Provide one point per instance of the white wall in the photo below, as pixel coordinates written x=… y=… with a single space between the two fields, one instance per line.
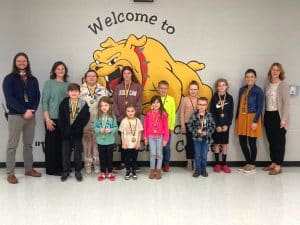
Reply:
x=228 y=36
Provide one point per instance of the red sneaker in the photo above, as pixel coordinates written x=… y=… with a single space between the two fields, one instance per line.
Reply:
x=101 y=177
x=217 y=168
x=111 y=177
x=226 y=169
x=166 y=168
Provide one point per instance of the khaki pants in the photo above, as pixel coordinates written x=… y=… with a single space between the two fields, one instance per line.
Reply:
x=16 y=125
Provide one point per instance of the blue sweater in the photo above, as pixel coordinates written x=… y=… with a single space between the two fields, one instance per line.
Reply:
x=14 y=91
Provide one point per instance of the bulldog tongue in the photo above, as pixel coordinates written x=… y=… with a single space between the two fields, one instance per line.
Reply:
x=113 y=83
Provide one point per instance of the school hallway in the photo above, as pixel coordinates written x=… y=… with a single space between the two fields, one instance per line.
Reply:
x=178 y=198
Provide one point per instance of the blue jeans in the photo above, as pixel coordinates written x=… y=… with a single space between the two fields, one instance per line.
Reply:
x=167 y=152
x=156 y=145
x=201 y=149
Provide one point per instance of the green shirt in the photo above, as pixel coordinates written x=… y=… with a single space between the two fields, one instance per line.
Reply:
x=111 y=123
x=53 y=93
x=169 y=105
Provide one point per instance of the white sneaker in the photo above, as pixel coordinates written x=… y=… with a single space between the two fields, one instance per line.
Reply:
x=97 y=169
x=88 y=170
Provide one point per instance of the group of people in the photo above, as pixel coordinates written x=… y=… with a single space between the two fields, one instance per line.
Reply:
x=84 y=118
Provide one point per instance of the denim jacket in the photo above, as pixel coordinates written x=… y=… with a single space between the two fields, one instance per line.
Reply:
x=209 y=126
x=255 y=101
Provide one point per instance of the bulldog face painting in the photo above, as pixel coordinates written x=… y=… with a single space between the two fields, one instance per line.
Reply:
x=151 y=63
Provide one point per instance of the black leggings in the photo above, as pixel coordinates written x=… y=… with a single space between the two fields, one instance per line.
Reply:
x=249 y=154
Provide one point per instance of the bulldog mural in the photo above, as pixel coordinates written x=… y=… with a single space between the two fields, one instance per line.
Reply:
x=151 y=63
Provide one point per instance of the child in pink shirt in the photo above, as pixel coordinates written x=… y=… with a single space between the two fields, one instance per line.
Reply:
x=156 y=133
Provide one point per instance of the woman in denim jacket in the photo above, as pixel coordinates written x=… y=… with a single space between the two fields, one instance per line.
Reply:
x=249 y=124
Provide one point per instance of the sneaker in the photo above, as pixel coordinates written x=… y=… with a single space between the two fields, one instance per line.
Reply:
x=226 y=169
x=64 y=177
x=242 y=169
x=275 y=172
x=127 y=175
x=101 y=177
x=196 y=174
x=204 y=174
x=268 y=168
x=33 y=173
x=166 y=168
x=111 y=176
x=88 y=170
x=78 y=176
x=217 y=168
x=134 y=176
x=250 y=169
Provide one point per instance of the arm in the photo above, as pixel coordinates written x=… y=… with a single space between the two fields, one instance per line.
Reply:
x=146 y=121
x=139 y=101
x=166 y=129
x=259 y=104
x=11 y=100
x=115 y=100
x=182 y=113
x=285 y=102
x=173 y=118
x=37 y=94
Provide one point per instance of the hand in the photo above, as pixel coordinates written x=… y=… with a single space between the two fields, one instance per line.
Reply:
x=28 y=114
x=124 y=146
x=107 y=130
x=253 y=126
x=224 y=128
x=102 y=130
x=138 y=146
x=219 y=129
x=146 y=142
x=165 y=143
x=283 y=123
x=50 y=125
x=203 y=133
x=199 y=131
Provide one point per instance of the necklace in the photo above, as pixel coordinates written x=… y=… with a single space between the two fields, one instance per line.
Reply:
x=127 y=91
x=73 y=108
x=222 y=103
x=155 y=121
x=91 y=92
x=103 y=125
x=194 y=109
x=133 y=131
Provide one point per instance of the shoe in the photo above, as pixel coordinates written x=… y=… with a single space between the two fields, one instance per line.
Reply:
x=196 y=174
x=166 y=168
x=268 y=168
x=158 y=174
x=88 y=170
x=226 y=169
x=204 y=174
x=242 y=169
x=12 y=179
x=275 y=172
x=120 y=167
x=33 y=173
x=127 y=175
x=152 y=174
x=134 y=176
x=101 y=177
x=96 y=169
x=111 y=176
x=64 y=177
x=78 y=176
x=217 y=168
x=250 y=169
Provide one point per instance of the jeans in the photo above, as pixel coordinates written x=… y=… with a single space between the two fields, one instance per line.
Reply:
x=167 y=152
x=106 y=157
x=201 y=149
x=156 y=145
x=130 y=159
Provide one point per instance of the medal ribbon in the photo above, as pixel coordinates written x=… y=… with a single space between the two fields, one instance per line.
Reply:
x=73 y=108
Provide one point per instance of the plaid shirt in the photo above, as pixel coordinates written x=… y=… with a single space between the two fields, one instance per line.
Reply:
x=208 y=126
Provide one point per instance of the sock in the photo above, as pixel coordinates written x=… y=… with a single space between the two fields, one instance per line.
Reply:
x=217 y=158
x=224 y=159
